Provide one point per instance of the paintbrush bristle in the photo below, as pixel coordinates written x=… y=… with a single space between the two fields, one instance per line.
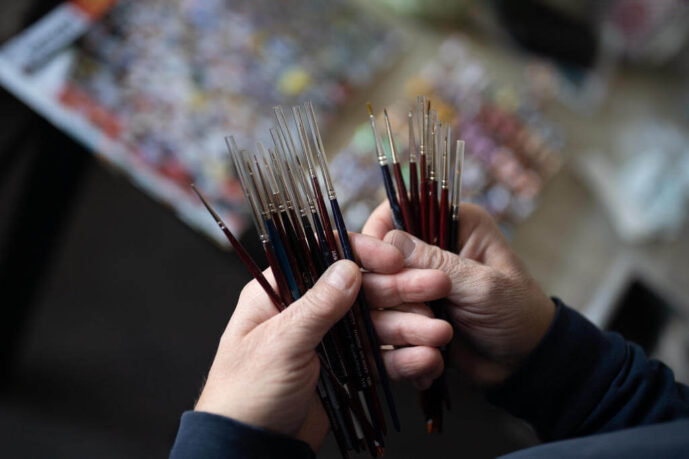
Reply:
x=205 y=203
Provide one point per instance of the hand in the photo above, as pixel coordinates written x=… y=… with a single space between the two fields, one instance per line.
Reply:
x=265 y=371
x=499 y=312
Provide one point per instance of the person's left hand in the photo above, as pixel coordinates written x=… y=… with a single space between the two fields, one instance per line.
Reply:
x=265 y=371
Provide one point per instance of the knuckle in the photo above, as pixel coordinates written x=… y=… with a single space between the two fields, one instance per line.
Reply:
x=250 y=292
x=316 y=302
x=440 y=259
x=438 y=366
x=495 y=283
x=419 y=363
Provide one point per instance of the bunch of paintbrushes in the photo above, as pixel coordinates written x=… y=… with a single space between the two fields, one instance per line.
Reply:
x=428 y=208
x=283 y=187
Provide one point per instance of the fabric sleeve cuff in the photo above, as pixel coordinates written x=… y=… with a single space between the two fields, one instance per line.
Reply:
x=217 y=437
x=557 y=375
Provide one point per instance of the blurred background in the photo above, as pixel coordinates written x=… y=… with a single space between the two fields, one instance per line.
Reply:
x=116 y=286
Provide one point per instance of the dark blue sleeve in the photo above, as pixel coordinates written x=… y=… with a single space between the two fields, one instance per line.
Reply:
x=209 y=436
x=580 y=381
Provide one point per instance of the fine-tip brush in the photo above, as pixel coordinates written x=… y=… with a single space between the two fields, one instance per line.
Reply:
x=397 y=217
x=359 y=314
x=423 y=169
x=243 y=254
x=304 y=214
x=315 y=182
x=363 y=382
x=332 y=349
x=302 y=247
x=331 y=355
x=433 y=185
x=257 y=211
x=413 y=175
x=349 y=254
x=271 y=220
x=431 y=398
x=444 y=218
x=456 y=196
x=292 y=245
x=301 y=172
x=302 y=226
x=438 y=393
x=403 y=198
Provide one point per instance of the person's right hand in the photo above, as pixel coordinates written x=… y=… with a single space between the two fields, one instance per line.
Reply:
x=499 y=312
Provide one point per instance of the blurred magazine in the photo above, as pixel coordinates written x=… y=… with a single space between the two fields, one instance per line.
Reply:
x=153 y=86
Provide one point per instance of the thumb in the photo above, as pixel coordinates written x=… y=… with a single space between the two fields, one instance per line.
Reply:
x=418 y=254
x=304 y=323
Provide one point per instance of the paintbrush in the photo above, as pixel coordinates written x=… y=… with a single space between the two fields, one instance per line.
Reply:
x=456 y=196
x=243 y=254
x=403 y=198
x=444 y=217
x=349 y=254
x=413 y=176
x=397 y=217
x=257 y=211
x=348 y=327
x=423 y=170
x=433 y=185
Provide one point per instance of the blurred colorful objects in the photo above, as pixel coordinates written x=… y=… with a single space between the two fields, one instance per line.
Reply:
x=172 y=78
x=511 y=149
x=156 y=85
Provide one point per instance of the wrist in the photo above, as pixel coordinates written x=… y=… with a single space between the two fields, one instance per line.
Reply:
x=243 y=409
x=539 y=321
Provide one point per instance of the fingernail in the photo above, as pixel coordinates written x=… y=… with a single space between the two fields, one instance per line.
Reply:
x=404 y=243
x=340 y=275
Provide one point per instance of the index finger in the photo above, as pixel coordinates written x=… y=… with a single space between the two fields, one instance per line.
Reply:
x=253 y=306
x=380 y=221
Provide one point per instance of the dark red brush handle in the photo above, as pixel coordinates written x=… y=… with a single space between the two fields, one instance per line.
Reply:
x=423 y=200
x=403 y=199
x=414 y=194
x=243 y=255
x=289 y=248
x=253 y=268
x=432 y=212
x=283 y=288
x=443 y=222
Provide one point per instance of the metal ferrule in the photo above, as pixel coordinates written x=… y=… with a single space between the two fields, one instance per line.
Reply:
x=380 y=153
x=412 y=139
x=443 y=180
x=280 y=202
x=455 y=212
x=432 y=162
x=457 y=180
